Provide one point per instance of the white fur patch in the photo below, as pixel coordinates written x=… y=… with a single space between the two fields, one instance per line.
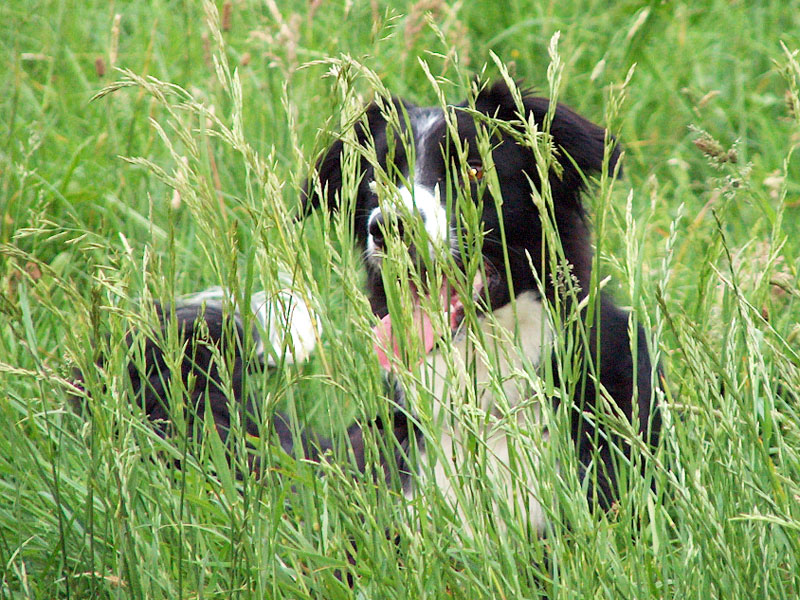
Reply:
x=283 y=320
x=477 y=422
x=424 y=124
x=424 y=202
x=429 y=204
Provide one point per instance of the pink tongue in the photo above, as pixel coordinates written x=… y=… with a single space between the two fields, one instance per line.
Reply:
x=385 y=339
x=384 y=336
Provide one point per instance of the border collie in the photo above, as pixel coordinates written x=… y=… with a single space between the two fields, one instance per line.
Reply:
x=502 y=321
x=412 y=163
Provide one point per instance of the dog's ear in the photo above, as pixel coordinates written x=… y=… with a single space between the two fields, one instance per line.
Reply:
x=578 y=141
x=327 y=174
x=325 y=180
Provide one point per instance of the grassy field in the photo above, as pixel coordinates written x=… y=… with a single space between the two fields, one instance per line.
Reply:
x=187 y=175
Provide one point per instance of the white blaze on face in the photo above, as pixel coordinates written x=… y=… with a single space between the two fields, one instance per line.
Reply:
x=423 y=203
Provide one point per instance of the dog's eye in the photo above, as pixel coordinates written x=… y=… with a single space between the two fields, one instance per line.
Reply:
x=475 y=170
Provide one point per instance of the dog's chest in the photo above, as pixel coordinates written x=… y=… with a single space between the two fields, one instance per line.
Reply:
x=483 y=409
x=476 y=366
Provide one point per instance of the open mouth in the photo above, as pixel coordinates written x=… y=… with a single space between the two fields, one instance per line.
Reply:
x=449 y=301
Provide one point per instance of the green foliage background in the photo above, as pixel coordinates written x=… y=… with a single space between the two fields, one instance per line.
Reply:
x=703 y=247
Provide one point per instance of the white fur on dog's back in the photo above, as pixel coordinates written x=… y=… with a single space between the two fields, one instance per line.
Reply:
x=283 y=320
x=468 y=407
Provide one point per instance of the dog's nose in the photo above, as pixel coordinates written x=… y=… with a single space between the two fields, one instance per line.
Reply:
x=378 y=227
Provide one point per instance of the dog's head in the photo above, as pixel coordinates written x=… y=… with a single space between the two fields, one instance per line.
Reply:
x=419 y=164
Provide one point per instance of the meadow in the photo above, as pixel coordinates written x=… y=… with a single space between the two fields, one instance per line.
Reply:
x=150 y=149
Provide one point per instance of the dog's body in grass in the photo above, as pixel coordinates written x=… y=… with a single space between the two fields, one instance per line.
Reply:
x=215 y=347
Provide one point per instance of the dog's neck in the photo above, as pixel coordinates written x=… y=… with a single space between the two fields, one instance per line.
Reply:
x=509 y=343
x=469 y=411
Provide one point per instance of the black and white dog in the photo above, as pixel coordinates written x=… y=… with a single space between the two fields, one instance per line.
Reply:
x=409 y=173
x=501 y=333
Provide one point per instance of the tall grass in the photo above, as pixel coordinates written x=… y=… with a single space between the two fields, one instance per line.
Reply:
x=184 y=173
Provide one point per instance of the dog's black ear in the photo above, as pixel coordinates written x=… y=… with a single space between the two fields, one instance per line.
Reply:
x=327 y=174
x=578 y=141
x=325 y=180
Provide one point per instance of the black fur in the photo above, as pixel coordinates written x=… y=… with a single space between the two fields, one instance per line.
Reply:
x=213 y=339
x=579 y=147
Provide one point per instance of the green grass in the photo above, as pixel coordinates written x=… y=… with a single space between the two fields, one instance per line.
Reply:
x=92 y=505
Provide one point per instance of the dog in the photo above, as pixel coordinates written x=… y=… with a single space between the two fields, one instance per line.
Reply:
x=532 y=279
x=411 y=163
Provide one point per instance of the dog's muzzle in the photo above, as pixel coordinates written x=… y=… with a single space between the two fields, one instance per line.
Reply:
x=399 y=205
